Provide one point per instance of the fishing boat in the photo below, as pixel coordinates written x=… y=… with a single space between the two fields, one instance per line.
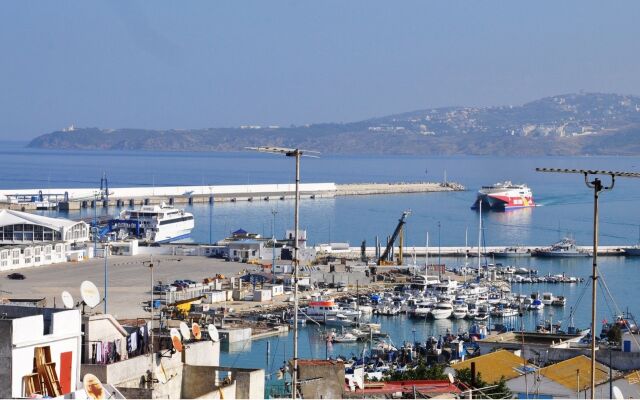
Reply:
x=564 y=248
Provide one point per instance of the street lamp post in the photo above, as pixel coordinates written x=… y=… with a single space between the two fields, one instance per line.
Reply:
x=597 y=187
x=297 y=153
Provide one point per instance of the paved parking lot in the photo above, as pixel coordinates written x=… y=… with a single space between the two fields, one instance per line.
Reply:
x=128 y=277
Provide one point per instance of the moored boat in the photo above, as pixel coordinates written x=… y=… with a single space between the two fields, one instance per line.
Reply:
x=564 y=248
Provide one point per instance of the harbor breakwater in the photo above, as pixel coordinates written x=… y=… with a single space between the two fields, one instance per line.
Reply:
x=76 y=198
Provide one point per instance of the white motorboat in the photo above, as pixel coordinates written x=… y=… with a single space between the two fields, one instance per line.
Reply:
x=157 y=223
x=341 y=320
x=460 y=311
x=442 y=310
x=422 y=309
x=536 y=304
x=346 y=338
x=547 y=298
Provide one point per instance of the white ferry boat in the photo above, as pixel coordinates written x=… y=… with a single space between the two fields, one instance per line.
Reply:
x=504 y=196
x=157 y=223
x=320 y=308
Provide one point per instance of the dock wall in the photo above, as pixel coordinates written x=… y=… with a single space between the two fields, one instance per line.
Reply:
x=456 y=251
x=76 y=198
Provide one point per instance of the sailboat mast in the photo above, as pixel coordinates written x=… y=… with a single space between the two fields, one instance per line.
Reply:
x=426 y=258
x=466 y=253
x=479 y=234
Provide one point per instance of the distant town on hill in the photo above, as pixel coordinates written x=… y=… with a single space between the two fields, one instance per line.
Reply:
x=570 y=124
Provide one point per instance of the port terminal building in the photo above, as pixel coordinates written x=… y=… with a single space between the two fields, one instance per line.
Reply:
x=28 y=240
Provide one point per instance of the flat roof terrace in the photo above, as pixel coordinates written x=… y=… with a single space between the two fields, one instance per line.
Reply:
x=128 y=278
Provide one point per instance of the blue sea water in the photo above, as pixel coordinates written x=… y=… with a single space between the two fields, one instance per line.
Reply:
x=566 y=207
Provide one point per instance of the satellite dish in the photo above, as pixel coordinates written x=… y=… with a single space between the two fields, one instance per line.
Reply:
x=176 y=339
x=195 y=329
x=184 y=331
x=451 y=379
x=90 y=294
x=617 y=393
x=93 y=387
x=213 y=333
x=67 y=299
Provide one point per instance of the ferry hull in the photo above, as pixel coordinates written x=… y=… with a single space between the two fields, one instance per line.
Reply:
x=503 y=202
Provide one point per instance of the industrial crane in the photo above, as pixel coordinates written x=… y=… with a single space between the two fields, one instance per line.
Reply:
x=398 y=231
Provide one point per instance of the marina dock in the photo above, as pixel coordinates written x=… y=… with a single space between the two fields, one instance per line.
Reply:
x=76 y=198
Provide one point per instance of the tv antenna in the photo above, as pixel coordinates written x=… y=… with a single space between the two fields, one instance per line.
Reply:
x=90 y=295
x=185 y=331
x=196 y=331
x=213 y=333
x=176 y=339
x=67 y=300
x=598 y=187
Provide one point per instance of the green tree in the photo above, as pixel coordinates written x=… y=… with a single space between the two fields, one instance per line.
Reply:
x=498 y=391
x=614 y=334
x=421 y=371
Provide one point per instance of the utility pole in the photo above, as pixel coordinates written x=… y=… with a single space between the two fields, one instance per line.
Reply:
x=150 y=265
x=297 y=153
x=597 y=187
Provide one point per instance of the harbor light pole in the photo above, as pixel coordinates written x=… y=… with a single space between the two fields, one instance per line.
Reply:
x=297 y=153
x=597 y=187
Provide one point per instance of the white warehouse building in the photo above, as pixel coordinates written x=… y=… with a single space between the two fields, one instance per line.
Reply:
x=30 y=240
x=19 y=228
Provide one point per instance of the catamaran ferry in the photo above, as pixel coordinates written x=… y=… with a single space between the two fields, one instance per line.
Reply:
x=504 y=196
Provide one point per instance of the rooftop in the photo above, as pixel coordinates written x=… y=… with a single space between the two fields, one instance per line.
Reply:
x=578 y=369
x=12 y=217
x=495 y=365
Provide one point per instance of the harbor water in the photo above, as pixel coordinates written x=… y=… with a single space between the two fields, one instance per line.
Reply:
x=565 y=209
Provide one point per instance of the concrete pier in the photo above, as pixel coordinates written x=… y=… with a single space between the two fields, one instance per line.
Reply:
x=74 y=199
x=457 y=251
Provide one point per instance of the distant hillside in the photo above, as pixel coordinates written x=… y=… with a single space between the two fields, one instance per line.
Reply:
x=571 y=124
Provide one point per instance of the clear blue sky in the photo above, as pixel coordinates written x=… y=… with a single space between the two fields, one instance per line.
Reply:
x=175 y=64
